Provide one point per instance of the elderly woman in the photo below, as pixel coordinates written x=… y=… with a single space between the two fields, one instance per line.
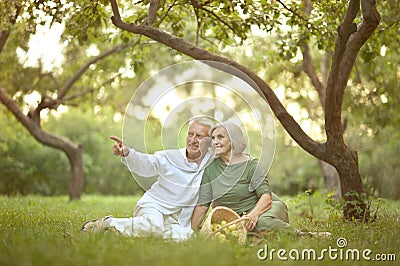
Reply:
x=226 y=182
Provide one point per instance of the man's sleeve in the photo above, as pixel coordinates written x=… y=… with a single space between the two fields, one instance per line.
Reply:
x=143 y=164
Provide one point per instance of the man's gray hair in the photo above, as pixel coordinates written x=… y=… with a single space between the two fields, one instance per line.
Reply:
x=202 y=120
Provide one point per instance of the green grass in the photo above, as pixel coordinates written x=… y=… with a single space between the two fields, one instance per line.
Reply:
x=45 y=231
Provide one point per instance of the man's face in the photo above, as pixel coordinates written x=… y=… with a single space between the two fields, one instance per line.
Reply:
x=196 y=133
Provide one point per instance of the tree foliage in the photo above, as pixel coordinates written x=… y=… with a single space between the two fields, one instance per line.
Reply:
x=57 y=86
x=370 y=101
x=357 y=24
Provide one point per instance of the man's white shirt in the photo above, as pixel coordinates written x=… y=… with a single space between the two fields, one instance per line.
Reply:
x=177 y=186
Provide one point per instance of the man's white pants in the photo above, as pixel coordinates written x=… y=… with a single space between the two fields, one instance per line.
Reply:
x=150 y=222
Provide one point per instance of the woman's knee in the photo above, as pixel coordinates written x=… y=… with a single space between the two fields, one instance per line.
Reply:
x=271 y=223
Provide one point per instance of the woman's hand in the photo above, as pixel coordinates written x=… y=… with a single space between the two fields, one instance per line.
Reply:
x=251 y=224
x=263 y=205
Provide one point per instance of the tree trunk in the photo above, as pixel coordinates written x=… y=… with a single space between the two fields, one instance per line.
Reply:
x=77 y=173
x=331 y=178
x=73 y=151
x=351 y=185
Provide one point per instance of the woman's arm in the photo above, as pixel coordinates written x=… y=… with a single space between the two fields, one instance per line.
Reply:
x=198 y=215
x=263 y=205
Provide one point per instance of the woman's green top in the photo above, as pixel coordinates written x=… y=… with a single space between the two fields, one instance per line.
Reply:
x=228 y=185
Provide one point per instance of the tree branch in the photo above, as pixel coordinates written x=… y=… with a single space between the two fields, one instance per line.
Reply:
x=14 y=109
x=332 y=103
x=370 y=22
x=165 y=11
x=77 y=95
x=290 y=10
x=194 y=4
x=218 y=18
x=3 y=39
x=4 y=33
x=198 y=53
x=308 y=63
x=115 y=10
x=152 y=15
x=311 y=73
x=63 y=90
x=34 y=129
x=48 y=102
x=110 y=79
x=349 y=42
x=296 y=14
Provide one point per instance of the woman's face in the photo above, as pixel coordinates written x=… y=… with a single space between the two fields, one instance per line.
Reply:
x=221 y=141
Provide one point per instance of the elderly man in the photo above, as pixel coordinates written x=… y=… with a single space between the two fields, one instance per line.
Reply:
x=166 y=208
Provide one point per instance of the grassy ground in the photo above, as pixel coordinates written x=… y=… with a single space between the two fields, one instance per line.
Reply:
x=45 y=231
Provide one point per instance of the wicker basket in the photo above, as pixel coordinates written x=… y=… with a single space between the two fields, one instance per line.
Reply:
x=219 y=214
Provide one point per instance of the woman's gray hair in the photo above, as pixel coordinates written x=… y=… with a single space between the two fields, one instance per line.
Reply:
x=236 y=136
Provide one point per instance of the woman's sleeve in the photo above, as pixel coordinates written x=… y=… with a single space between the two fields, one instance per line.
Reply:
x=205 y=192
x=263 y=186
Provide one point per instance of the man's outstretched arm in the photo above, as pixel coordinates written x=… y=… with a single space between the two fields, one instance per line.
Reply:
x=142 y=164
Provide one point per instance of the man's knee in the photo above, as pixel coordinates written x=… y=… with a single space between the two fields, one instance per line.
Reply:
x=156 y=229
x=150 y=220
